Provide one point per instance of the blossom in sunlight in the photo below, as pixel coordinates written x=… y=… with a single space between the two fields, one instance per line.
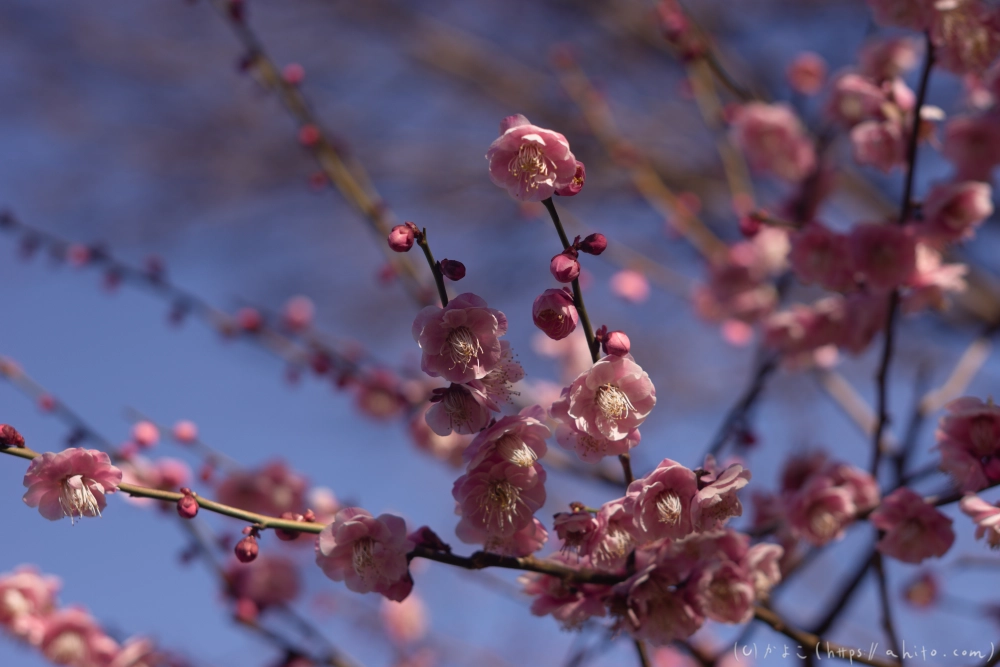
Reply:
x=609 y=545
x=72 y=483
x=460 y=342
x=660 y=503
x=968 y=437
x=716 y=501
x=367 y=553
x=458 y=408
x=530 y=162
x=574 y=528
x=72 y=637
x=145 y=434
x=519 y=439
x=523 y=542
x=499 y=498
x=987 y=518
x=914 y=529
x=610 y=399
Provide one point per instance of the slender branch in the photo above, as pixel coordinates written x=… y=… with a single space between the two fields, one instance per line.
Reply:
x=738 y=412
x=840 y=603
x=435 y=267
x=816 y=644
x=883 y=593
x=905 y=207
x=642 y=652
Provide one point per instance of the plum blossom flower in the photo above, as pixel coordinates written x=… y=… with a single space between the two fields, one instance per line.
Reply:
x=519 y=439
x=986 y=516
x=764 y=563
x=498 y=497
x=879 y=144
x=885 y=254
x=952 y=211
x=574 y=528
x=660 y=503
x=716 y=501
x=460 y=408
x=932 y=281
x=659 y=609
x=611 y=399
x=886 y=58
x=405 y=622
x=972 y=144
x=914 y=529
x=497 y=385
x=27 y=597
x=554 y=313
x=806 y=73
x=570 y=605
x=268 y=581
x=460 y=342
x=521 y=543
x=821 y=511
x=855 y=98
x=608 y=547
x=774 y=140
x=822 y=256
x=271 y=489
x=630 y=285
x=966 y=34
x=72 y=483
x=530 y=162
x=73 y=637
x=737 y=288
x=367 y=553
x=588 y=447
x=725 y=592
x=968 y=437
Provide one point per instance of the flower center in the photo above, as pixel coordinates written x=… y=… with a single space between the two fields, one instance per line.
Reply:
x=823 y=524
x=463 y=347
x=529 y=165
x=76 y=499
x=454 y=404
x=615 y=544
x=363 y=558
x=668 y=508
x=67 y=649
x=515 y=450
x=14 y=604
x=613 y=402
x=499 y=502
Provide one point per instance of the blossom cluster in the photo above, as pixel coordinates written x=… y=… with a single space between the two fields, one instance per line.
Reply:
x=65 y=635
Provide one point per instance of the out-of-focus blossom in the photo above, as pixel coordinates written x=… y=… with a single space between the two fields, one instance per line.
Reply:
x=952 y=211
x=968 y=437
x=268 y=581
x=447 y=448
x=932 y=281
x=630 y=285
x=145 y=434
x=879 y=144
x=972 y=145
x=27 y=597
x=72 y=483
x=72 y=637
x=914 y=529
x=459 y=408
x=807 y=73
x=885 y=255
x=822 y=256
x=987 y=518
x=272 y=489
x=405 y=622
x=773 y=140
x=887 y=58
x=570 y=605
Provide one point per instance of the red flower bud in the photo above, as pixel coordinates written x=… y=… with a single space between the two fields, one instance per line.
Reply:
x=9 y=437
x=452 y=269
x=246 y=549
x=187 y=507
x=308 y=135
x=564 y=267
x=293 y=73
x=250 y=320
x=401 y=238
x=594 y=244
x=288 y=535
x=617 y=343
x=750 y=225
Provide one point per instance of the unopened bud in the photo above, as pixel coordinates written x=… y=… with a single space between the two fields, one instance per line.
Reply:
x=564 y=267
x=9 y=437
x=187 y=507
x=594 y=244
x=452 y=269
x=401 y=238
x=246 y=549
x=617 y=344
x=288 y=535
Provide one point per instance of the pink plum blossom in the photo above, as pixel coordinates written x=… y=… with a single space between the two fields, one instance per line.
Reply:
x=588 y=447
x=608 y=547
x=953 y=211
x=725 y=592
x=737 y=288
x=659 y=610
x=405 y=622
x=914 y=529
x=521 y=543
x=968 y=437
x=932 y=282
x=660 y=503
x=987 y=518
x=716 y=502
x=966 y=34
x=822 y=256
x=519 y=439
x=268 y=581
x=879 y=144
x=367 y=553
x=27 y=597
x=497 y=385
x=565 y=267
x=460 y=408
x=570 y=605
x=773 y=140
x=145 y=434
x=887 y=57
x=764 y=563
x=806 y=73
x=855 y=98
x=821 y=511
x=574 y=528
x=71 y=483
x=530 y=162
x=630 y=285
x=460 y=342
x=885 y=255
x=271 y=489
x=611 y=399
x=554 y=313
x=72 y=637
x=498 y=497
x=575 y=185
x=299 y=313
x=972 y=145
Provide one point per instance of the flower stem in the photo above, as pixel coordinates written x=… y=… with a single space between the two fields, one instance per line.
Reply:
x=435 y=267
x=577 y=292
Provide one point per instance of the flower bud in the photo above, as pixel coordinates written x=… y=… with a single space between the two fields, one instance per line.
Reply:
x=9 y=437
x=575 y=184
x=187 y=507
x=288 y=535
x=564 y=267
x=452 y=269
x=594 y=244
x=249 y=320
x=246 y=549
x=807 y=73
x=185 y=432
x=401 y=238
x=309 y=135
x=145 y=434
x=750 y=225
x=617 y=343
x=555 y=313
x=293 y=74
